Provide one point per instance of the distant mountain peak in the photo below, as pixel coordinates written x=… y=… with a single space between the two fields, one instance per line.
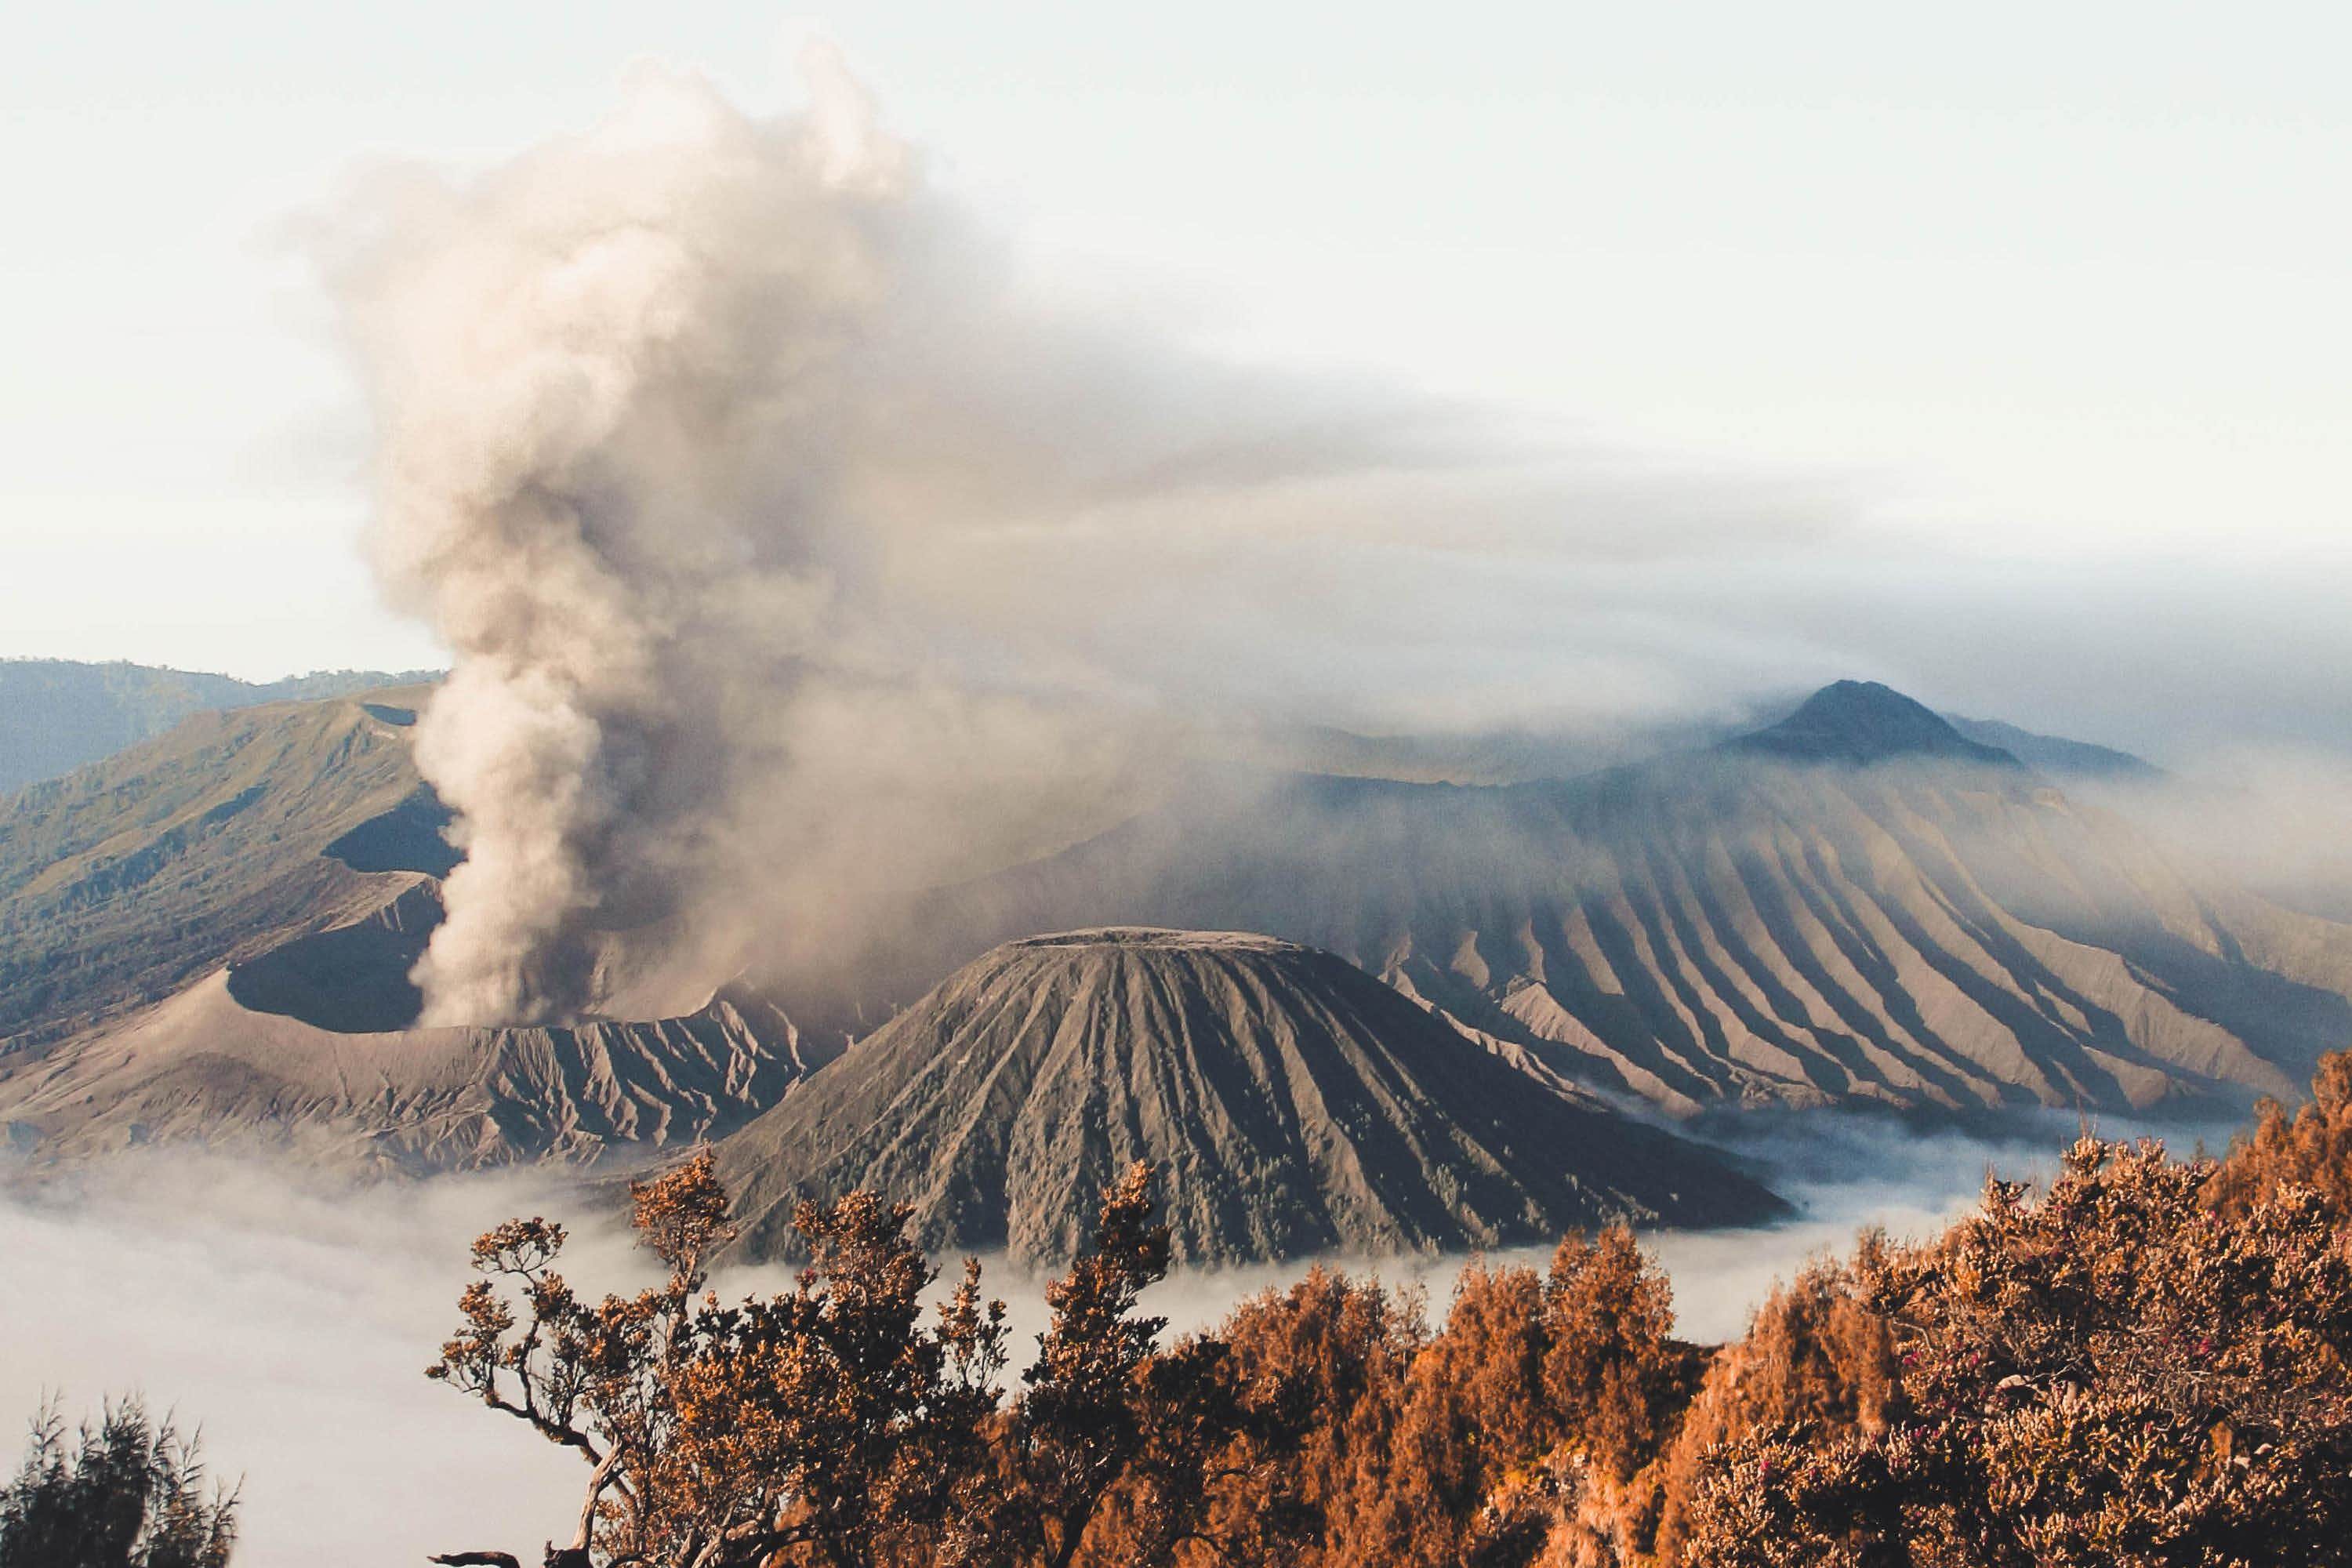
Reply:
x=1865 y=722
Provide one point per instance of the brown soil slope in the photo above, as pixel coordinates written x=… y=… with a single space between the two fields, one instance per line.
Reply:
x=1293 y=1104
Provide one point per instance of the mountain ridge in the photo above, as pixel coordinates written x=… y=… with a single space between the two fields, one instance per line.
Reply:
x=2057 y=756
x=1719 y=929
x=1926 y=927
x=57 y=715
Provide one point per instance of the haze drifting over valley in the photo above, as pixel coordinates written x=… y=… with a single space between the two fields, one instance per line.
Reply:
x=794 y=547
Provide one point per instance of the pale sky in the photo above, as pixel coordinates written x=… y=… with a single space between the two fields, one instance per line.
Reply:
x=2056 y=293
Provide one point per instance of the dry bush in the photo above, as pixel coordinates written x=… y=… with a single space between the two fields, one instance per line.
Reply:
x=2311 y=1149
x=828 y=1426
x=2145 y=1365
x=2112 y=1373
x=1815 y=1355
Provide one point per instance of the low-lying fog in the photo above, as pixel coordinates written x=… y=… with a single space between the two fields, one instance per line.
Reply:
x=294 y=1321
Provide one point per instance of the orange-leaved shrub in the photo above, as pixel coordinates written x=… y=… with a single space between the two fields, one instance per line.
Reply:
x=2111 y=1372
x=2311 y=1149
x=2143 y=1364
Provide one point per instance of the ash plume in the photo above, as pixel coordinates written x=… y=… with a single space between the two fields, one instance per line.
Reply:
x=789 y=547
x=643 y=397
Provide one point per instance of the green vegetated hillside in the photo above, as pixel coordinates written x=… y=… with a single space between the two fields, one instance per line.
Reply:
x=57 y=714
x=128 y=879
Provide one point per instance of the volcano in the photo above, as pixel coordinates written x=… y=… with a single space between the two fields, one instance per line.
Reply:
x=1292 y=1103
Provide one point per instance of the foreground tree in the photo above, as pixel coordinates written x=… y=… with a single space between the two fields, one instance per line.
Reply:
x=829 y=1426
x=824 y=1426
x=1329 y=1356
x=2113 y=1375
x=1815 y=1356
x=1116 y=1450
x=1598 y=1386
x=1530 y=1416
x=126 y=1493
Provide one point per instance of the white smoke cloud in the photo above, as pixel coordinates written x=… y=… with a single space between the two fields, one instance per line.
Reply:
x=789 y=544
x=632 y=392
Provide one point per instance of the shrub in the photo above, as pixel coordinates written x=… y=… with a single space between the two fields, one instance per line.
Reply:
x=126 y=1493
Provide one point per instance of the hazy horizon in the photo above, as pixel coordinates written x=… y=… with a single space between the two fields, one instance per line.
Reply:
x=1999 y=365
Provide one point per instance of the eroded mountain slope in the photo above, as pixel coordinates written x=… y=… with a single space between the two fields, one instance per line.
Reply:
x=1293 y=1104
x=1837 y=915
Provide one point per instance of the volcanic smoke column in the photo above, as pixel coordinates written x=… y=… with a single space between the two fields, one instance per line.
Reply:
x=609 y=379
x=797 y=553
